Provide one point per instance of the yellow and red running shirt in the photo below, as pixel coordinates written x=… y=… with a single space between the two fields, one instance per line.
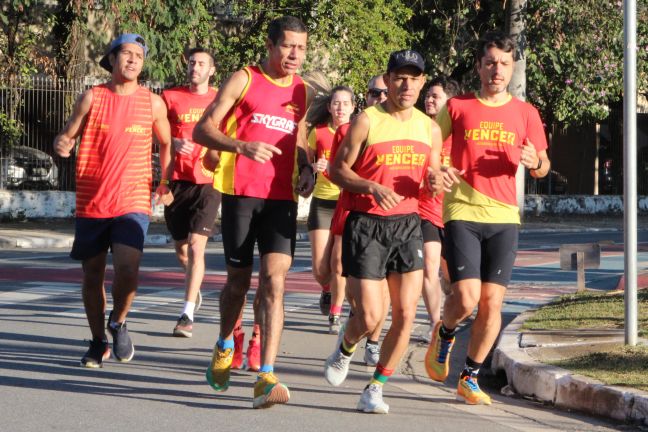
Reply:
x=396 y=155
x=320 y=140
x=184 y=111
x=267 y=111
x=487 y=143
x=431 y=207
x=113 y=166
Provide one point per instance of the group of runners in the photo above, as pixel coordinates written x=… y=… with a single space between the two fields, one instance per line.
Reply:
x=377 y=219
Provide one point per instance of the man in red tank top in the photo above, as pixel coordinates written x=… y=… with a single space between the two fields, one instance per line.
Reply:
x=114 y=191
x=258 y=124
x=190 y=218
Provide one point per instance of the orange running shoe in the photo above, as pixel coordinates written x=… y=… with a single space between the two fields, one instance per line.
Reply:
x=254 y=355
x=468 y=391
x=239 y=338
x=437 y=357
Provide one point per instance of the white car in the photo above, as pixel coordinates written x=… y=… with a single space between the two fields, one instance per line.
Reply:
x=23 y=167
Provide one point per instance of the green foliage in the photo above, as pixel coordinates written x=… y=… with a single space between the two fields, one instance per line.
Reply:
x=575 y=57
x=10 y=132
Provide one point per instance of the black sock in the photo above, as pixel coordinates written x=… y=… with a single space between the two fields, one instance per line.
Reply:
x=471 y=368
x=446 y=333
x=370 y=342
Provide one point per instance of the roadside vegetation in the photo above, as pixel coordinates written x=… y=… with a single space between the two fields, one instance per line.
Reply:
x=620 y=365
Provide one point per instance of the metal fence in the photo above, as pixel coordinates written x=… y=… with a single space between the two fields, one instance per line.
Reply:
x=39 y=107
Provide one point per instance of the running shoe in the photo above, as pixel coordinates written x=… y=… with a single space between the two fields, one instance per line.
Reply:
x=239 y=338
x=371 y=400
x=372 y=354
x=468 y=391
x=198 y=301
x=336 y=367
x=183 y=327
x=325 y=302
x=437 y=357
x=254 y=355
x=334 y=324
x=98 y=352
x=269 y=391
x=218 y=373
x=123 y=348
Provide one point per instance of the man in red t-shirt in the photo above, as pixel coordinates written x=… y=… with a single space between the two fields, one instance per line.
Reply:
x=492 y=133
x=257 y=122
x=116 y=121
x=190 y=218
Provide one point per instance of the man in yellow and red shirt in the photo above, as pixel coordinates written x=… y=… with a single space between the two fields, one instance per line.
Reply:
x=263 y=165
x=492 y=133
x=381 y=164
x=116 y=122
x=190 y=218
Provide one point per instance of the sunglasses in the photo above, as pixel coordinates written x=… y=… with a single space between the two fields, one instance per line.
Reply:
x=376 y=92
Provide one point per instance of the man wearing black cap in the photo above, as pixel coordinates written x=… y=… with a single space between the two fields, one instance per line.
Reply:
x=382 y=162
x=116 y=122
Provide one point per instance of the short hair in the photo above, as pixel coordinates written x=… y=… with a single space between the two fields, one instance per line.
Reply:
x=344 y=89
x=372 y=81
x=496 y=39
x=450 y=87
x=199 y=50
x=278 y=26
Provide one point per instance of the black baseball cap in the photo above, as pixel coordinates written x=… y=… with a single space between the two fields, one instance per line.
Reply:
x=119 y=41
x=399 y=59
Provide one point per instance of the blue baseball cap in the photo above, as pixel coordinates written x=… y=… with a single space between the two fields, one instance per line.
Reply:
x=399 y=59
x=122 y=39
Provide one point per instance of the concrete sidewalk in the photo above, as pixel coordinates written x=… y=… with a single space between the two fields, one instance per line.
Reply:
x=525 y=375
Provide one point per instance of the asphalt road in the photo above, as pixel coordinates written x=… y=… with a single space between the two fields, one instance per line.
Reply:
x=42 y=332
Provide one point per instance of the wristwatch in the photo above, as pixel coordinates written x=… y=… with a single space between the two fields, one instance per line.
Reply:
x=538 y=167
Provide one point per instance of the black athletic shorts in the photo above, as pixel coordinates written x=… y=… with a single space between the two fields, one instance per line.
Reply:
x=374 y=246
x=320 y=214
x=272 y=224
x=431 y=232
x=484 y=251
x=194 y=209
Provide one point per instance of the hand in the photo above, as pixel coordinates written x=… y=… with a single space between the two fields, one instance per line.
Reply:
x=435 y=181
x=451 y=177
x=386 y=198
x=321 y=165
x=305 y=182
x=183 y=146
x=529 y=157
x=258 y=151
x=162 y=195
x=63 y=145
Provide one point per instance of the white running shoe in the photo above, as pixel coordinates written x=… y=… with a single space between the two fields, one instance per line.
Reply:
x=336 y=367
x=371 y=400
x=372 y=354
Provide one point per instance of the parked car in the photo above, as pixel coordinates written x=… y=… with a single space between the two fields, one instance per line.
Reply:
x=24 y=167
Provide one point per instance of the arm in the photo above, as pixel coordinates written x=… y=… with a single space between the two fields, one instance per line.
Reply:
x=66 y=139
x=533 y=159
x=435 y=175
x=346 y=156
x=162 y=130
x=306 y=180
x=208 y=134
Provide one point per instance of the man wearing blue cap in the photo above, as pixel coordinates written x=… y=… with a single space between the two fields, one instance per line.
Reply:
x=116 y=122
x=381 y=163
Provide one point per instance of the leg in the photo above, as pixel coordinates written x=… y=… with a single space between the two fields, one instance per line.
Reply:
x=431 y=283
x=94 y=294
x=232 y=298
x=270 y=308
x=195 y=270
x=487 y=324
x=338 y=282
x=405 y=291
x=126 y=262
x=182 y=253
x=321 y=252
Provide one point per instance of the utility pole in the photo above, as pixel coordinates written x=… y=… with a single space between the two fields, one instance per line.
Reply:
x=516 y=25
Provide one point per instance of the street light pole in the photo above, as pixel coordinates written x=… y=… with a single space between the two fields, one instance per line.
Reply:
x=630 y=167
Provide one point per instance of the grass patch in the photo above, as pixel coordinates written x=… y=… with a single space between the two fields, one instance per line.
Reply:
x=622 y=365
x=588 y=310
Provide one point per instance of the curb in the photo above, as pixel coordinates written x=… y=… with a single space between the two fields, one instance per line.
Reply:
x=559 y=387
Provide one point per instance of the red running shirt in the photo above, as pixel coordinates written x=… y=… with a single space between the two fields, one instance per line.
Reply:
x=184 y=111
x=113 y=166
x=269 y=112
